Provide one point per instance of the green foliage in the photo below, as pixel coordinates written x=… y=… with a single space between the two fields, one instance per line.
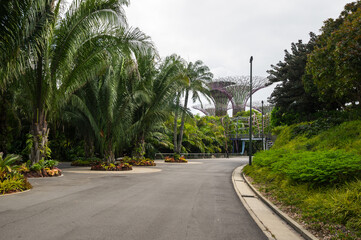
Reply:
x=201 y=134
x=292 y=102
x=7 y=162
x=315 y=167
x=36 y=167
x=13 y=182
x=335 y=62
x=10 y=179
x=314 y=136
x=50 y=163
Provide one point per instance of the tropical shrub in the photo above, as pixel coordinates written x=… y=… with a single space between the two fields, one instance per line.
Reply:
x=138 y=161
x=112 y=167
x=316 y=171
x=13 y=182
x=10 y=179
x=175 y=159
x=85 y=162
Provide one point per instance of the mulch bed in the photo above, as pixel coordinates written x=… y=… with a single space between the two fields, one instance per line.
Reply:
x=42 y=173
x=118 y=167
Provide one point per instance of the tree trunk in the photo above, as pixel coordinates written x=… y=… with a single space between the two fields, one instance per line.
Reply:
x=88 y=147
x=3 y=125
x=182 y=123
x=40 y=132
x=140 y=148
x=109 y=154
x=175 y=135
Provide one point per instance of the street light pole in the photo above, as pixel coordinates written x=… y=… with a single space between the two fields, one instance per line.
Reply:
x=250 y=113
x=263 y=145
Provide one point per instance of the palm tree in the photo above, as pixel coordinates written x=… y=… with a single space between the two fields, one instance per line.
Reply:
x=198 y=75
x=56 y=55
x=103 y=107
x=155 y=91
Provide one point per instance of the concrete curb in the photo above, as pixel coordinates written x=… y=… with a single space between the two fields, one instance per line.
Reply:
x=249 y=210
x=297 y=227
x=15 y=193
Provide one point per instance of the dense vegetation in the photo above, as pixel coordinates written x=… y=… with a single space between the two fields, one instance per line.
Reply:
x=318 y=173
x=320 y=76
x=314 y=169
x=78 y=81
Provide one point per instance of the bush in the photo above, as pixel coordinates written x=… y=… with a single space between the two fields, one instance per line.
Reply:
x=86 y=162
x=324 y=167
x=50 y=163
x=314 y=168
x=13 y=182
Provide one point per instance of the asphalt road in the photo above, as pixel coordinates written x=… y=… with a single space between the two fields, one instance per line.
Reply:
x=183 y=201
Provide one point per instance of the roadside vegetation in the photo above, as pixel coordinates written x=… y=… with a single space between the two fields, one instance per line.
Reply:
x=313 y=172
x=316 y=177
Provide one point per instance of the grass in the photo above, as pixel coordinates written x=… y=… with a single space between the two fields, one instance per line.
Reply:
x=316 y=172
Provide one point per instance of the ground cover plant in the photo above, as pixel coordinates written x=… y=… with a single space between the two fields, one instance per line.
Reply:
x=112 y=167
x=10 y=179
x=316 y=177
x=138 y=161
x=176 y=159
x=44 y=168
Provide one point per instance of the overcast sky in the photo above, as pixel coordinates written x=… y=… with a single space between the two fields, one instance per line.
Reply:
x=224 y=34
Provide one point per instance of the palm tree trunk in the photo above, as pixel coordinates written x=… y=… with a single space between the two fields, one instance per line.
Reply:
x=175 y=135
x=40 y=133
x=88 y=146
x=182 y=123
x=139 y=151
x=39 y=129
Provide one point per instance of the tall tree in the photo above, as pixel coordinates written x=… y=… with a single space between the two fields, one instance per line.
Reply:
x=61 y=54
x=198 y=76
x=335 y=62
x=155 y=94
x=292 y=102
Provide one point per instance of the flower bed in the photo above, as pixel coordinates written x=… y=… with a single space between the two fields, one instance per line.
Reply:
x=112 y=167
x=175 y=160
x=44 y=168
x=45 y=172
x=10 y=179
x=138 y=161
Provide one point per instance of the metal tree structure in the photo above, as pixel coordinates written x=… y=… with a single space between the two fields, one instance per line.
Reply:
x=240 y=90
x=233 y=89
x=220 y=96
x=208 y=110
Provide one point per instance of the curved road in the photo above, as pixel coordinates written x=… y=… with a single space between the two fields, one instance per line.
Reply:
x=183 y=201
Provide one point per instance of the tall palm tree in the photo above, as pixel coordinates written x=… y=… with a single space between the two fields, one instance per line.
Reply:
x=198 y=75
x=157 y=86
x=56 y=55
x=104 y=106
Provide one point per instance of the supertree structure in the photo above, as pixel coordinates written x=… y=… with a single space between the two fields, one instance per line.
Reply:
x=234 y=89
x=220 y=96
x=208 y=110
x=240 y=90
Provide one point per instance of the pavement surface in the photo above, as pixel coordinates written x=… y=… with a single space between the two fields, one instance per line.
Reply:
x=171 y=202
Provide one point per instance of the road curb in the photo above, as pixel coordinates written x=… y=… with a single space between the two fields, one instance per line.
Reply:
x=297 y=227
x=248 y=208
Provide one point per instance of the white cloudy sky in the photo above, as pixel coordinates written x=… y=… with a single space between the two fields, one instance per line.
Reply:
x=224 y=34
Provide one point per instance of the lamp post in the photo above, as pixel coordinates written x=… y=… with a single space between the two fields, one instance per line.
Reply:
x=263 y=145
x=250 y=113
